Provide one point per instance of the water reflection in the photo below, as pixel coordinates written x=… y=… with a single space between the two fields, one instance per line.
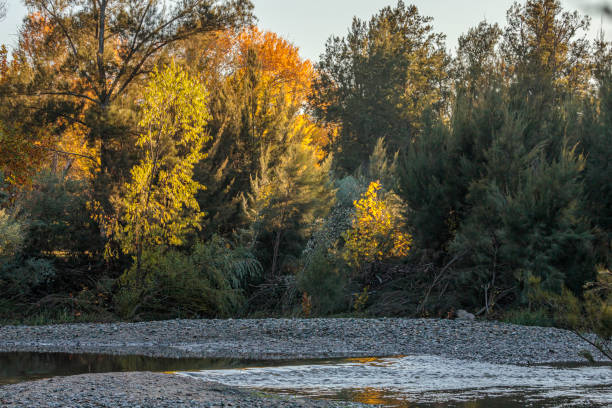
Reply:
x=591 y=397
x=386 y=399
x=17 y=367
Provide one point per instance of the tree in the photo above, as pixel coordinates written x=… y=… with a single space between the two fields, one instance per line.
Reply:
x=597 y=147
x=498 y=191
x=19 y=159
x=78 y=59
x=377 y=81
x=523 y=221
x=477 y=58
x=157 y=206
x=285 y=201
x=430 y=185
x=58 y=220
x=546 y=50
x=376 y=232
x=382 y=167
x=258 y=84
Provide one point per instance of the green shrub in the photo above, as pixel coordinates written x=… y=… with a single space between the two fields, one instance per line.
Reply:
x=327 y=232
x=59 y=222
x=208 y=282
x=275 y=297
x=21 y=279
x=588 y=316
x=326 y=280
x=348 y=189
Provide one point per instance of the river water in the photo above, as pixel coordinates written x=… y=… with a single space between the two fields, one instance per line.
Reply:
x=429 y=381
x=402 y=381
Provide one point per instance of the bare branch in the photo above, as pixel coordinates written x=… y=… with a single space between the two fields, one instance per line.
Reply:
x=61 y=93
x=66 y=153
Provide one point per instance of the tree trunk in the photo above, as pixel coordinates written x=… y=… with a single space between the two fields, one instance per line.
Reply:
x=276 y=249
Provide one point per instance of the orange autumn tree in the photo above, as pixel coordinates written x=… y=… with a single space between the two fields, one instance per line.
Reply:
x=376 y=231
x=20 y=156
x=283 y=76
x=283 y=79
x=292 y=187
x=262 y=71
x=50 y=133
x=279 y=61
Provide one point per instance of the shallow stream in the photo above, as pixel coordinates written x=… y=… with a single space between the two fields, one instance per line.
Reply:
x=403 y=381
x=430 y=381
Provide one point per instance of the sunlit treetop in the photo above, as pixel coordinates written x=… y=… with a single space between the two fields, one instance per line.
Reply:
x=544 y=42
x=277 y=57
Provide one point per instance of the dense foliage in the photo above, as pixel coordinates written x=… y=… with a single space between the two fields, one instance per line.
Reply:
x=179 y=162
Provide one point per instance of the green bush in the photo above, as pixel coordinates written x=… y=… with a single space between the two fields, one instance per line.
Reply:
x=208 y=282
x=52 y=249
x=326 y=280
x=328 y=232
x=22 y=279
x=59 y=222
x=590 y=315
x=20 y=276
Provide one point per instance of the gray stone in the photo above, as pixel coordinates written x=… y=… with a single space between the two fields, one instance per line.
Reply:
x=464 y=315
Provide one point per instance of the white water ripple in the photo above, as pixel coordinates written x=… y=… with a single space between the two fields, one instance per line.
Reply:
x=411 y=376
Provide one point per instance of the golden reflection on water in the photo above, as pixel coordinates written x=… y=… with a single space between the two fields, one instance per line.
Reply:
x=384 y=398
x=375 y=361
x=373 y=396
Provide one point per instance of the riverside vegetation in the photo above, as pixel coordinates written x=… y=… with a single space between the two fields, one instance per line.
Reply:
x=180 y=162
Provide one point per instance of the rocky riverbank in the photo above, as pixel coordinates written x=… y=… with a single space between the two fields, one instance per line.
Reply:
x=304 y=338
x=132 y=390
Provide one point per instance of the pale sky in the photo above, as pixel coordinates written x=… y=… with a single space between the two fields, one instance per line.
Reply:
x=309 y=23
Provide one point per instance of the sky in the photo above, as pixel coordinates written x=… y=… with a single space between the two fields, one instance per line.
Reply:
x=309 y=23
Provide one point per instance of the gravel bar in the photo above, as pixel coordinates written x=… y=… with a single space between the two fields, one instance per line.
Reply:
x=278 y=339
x=139 y=390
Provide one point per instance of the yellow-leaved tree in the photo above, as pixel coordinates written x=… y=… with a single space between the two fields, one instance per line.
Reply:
x=376 y=231
x=158 y=206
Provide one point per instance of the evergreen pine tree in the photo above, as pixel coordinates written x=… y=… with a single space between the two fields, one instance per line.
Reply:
x=285 y=201
x=377 y=81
